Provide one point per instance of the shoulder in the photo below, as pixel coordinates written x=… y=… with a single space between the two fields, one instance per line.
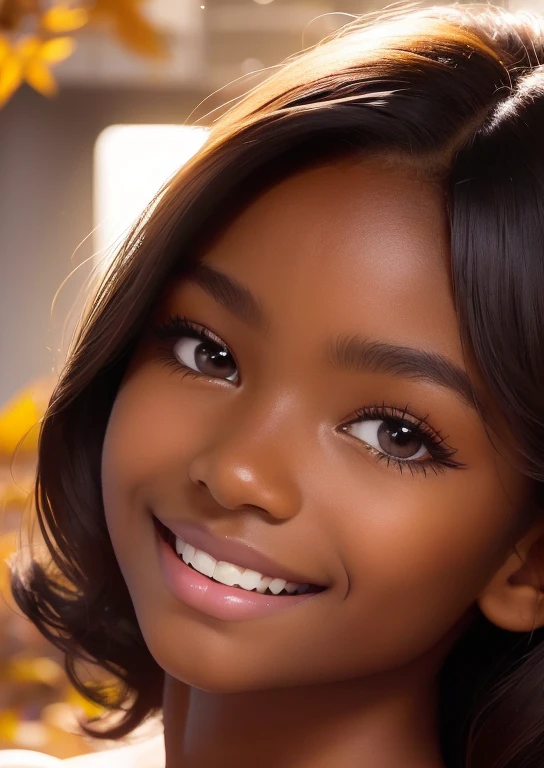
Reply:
x=146 y=754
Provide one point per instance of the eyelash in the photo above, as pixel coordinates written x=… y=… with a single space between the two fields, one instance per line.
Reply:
x=173 y=328
x=441 y=454
x=177 y=326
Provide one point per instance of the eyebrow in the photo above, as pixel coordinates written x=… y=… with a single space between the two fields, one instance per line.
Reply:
x=231 y=294
x=345 y=353
x=363 y=355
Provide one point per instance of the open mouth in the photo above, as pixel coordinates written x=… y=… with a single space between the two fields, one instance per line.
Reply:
x=226 y=573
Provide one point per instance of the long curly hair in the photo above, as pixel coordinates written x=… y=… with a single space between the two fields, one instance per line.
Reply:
x=455 y=91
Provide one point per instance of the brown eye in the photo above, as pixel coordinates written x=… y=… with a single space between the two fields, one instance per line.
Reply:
x=206 y=357
x=391 y=437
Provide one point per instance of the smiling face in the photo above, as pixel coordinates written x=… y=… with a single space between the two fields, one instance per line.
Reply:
x=328 y=425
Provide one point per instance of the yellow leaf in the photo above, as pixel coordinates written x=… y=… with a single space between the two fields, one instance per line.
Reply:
x=58 y=20
x=40 y=78
x=27 y=47
x=89 y=708
x=8 y=725
x=5 y=48
x=57 y=50
x=21 y=413
x=26 y=669
x=10 y=80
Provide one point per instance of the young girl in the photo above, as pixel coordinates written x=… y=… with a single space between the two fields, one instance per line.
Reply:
x=291 y=477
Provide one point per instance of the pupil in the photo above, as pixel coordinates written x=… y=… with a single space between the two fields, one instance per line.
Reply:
x=210 y=357
x=401 y=435
x=397 y=440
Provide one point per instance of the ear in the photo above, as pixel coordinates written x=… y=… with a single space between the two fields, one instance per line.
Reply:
x=514 y=598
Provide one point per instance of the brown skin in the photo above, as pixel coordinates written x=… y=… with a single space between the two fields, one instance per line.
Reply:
x=347 y=679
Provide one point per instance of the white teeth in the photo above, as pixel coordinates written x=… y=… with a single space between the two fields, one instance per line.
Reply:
x=180 y=545
x=232 y=575
x=204 y=563
x=276 y=586
x=227 y=574
x=250 y=579
x=188 y=553
x=263 y=586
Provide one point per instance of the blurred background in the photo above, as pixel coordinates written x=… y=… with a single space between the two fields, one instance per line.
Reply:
x=100 y=102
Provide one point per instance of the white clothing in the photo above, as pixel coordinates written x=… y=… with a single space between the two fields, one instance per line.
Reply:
x=147 y=754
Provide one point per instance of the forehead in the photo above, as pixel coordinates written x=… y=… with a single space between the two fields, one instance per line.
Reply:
x=353 y=247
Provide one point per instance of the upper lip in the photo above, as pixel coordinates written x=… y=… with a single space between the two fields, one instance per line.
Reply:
x=232 y=551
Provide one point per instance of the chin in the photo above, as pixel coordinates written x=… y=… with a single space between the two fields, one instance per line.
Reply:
x=213 y=676
x=214 y=665
x=207 y=666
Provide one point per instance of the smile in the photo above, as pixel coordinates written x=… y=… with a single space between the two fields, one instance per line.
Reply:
x=231 y=574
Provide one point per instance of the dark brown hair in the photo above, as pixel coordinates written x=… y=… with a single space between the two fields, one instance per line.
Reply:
x=457 y=92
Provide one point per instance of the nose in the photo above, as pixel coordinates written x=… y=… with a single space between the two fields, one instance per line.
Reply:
x=250 y=462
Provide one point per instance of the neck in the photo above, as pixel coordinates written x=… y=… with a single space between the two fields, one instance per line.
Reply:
x=387 y=721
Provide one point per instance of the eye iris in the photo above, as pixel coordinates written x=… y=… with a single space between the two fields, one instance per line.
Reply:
x=211 y=357
x=398 y=440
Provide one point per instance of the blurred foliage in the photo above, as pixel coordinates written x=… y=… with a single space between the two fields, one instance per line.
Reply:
x=39 y=708
x=33 y=37
x=19 y=420
x=130 y=25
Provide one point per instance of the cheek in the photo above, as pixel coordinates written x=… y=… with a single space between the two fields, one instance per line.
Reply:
x=152 y=432
x=150 y=436
x=411 y=553
x=420 y=550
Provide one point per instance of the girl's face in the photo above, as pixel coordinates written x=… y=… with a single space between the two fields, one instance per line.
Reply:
x=330 y=426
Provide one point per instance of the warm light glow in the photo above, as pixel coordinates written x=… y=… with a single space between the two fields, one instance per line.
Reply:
x=131 y=164
x=263 y=2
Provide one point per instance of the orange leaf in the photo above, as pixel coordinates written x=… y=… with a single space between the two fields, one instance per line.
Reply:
x=138 y=34
x=40 y=78
x=10 y=77
x=133 y=29
x=57 y=50
x=59 y=20
x=112 y=7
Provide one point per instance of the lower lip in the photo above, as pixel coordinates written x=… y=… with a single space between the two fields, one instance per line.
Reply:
x=218 y=600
